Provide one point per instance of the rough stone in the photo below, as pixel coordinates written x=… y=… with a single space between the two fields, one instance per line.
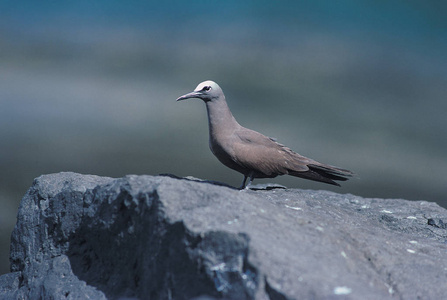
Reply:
x=160 y=237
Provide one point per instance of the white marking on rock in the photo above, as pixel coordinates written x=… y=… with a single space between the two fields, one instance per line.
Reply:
x=220 y=266
x=342 y=290
x=232 y=221
x=413 y=242
x=320 y=228
x=411 y=218
x=411 y=251
x=386 y=211
x=293 y=207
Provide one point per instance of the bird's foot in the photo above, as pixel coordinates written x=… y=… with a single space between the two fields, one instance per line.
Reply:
x=247 y=188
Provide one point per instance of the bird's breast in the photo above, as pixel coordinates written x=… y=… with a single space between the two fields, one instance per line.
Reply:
x=224 y=152
x=219 y=147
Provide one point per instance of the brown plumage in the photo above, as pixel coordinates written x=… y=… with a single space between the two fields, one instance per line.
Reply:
x=252 y=153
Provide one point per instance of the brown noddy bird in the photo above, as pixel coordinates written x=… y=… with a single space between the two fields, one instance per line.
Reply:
x=252 y=153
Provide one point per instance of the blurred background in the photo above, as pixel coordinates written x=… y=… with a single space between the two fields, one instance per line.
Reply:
x=90 y=87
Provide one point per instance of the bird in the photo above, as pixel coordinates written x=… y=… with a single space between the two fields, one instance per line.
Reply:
x=252 y=153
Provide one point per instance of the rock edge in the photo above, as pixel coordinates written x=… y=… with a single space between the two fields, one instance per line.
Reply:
x=158 y=237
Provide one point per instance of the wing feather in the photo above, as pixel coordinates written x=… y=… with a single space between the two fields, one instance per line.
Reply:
x=262 y=154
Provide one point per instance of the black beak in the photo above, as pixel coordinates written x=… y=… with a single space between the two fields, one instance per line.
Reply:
x=190 y=95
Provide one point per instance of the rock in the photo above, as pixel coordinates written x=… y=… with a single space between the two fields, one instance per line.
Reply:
x=159 y=237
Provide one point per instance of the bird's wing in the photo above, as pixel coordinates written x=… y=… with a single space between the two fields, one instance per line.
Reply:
x=262 y=154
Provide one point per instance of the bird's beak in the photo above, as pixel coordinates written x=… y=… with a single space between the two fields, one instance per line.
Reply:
x=189 y=95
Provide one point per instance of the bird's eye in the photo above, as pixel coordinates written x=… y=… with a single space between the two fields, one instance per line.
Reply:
x=206 y=88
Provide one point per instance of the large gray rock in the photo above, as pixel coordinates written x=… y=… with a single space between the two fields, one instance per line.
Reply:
x=157 y=237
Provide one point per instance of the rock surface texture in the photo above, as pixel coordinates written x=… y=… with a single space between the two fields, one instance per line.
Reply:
x=158 y=237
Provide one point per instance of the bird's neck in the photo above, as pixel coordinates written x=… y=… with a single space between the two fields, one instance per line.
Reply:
x=220 y=118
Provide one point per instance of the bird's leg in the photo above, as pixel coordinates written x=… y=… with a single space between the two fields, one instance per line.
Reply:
x=243 y=183
x=250 y=180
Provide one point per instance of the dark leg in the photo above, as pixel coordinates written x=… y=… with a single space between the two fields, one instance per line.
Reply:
x=251 y=175
x=243 y=183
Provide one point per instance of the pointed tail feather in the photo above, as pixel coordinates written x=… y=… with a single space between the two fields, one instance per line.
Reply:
x=324 y=173
x=332 y=172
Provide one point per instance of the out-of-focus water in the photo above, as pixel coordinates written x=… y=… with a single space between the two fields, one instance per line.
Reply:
x=90 y=87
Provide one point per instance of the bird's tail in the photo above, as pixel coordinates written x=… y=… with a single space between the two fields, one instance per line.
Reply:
x=324 y=173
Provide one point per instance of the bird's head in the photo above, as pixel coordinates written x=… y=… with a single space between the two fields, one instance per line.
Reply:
x=207 y=91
